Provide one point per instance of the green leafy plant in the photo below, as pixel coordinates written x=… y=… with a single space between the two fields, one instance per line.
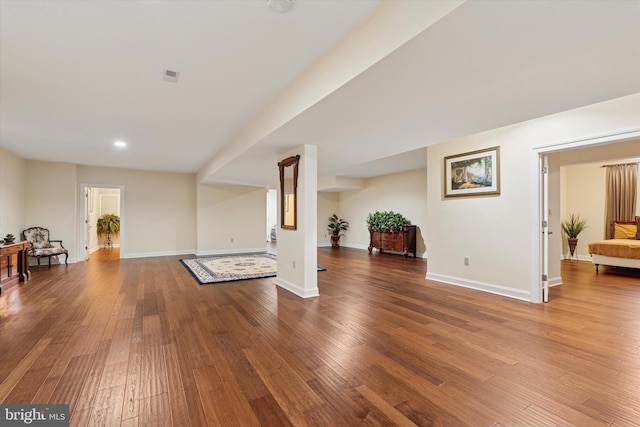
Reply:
x=337 y=226
x=108 y=224
x=573 y=225
x=386 y=221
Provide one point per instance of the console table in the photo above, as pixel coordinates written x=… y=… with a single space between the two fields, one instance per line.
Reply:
x=398 y=241
x=14 y=264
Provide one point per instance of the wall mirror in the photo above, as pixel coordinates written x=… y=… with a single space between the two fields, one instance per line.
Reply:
x=289 y=192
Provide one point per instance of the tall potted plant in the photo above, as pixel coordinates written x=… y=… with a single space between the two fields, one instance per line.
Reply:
x=337 y=227
x=572 y=227
x=108 y=224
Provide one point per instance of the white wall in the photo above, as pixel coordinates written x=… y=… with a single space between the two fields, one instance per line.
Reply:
x=500 y=233
x=13 y=171
x=230 y=212
x=405 y=193
x=297 y=249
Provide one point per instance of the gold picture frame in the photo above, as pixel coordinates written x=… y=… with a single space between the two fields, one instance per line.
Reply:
x=475 y=173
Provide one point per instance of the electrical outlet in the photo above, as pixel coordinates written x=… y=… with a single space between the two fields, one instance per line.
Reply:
x=294 y=264
x=232 y=240
x=466 y=261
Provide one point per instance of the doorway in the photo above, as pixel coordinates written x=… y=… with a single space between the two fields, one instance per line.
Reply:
x=272 y=220
x=618 y=145
x=97 y=200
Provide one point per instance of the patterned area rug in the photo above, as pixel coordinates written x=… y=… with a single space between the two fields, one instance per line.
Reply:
x=229 y=268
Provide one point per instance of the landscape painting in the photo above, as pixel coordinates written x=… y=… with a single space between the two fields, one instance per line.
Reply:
x=476 y=173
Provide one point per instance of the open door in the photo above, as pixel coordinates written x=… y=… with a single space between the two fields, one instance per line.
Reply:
x=544 y=226
x=87 y=225
x=93 y=200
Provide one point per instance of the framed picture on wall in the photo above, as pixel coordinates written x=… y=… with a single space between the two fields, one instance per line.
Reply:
x=476 y=173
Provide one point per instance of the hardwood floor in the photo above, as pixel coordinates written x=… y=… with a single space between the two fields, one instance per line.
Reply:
x=139 y=342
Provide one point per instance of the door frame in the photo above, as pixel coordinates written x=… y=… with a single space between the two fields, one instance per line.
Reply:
x=82 y=219
x=539 y=153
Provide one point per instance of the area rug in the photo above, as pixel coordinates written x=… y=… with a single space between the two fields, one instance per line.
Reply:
x=230 y=268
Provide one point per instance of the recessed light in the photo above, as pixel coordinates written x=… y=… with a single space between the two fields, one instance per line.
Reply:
x=120 y=144
x=280 y=6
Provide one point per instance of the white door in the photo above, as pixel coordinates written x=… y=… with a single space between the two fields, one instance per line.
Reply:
x=544 y=226
x=87 y=225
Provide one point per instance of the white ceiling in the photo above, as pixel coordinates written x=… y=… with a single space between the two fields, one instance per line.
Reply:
x=74 y=76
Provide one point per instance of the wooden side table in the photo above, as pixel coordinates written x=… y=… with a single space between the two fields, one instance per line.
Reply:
x=14 y=264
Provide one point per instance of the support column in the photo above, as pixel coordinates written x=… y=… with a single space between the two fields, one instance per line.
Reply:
x=298 y=249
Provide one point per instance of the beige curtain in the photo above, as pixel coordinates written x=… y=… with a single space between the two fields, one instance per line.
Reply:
x=622 y=182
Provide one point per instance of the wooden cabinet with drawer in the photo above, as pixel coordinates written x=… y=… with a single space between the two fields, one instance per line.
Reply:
x=14 y=266
x=400 y=241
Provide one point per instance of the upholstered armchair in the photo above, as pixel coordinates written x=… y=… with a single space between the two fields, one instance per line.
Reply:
x=41 y=245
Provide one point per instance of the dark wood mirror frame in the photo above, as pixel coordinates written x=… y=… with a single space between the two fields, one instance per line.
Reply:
x=287 y=163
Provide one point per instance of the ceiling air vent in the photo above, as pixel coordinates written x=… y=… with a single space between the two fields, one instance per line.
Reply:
x=170 y=76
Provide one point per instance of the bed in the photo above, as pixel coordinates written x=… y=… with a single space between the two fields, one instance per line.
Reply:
x=621 y=251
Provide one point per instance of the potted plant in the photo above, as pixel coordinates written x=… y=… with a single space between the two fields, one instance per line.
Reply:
x=108 y=224
x=572 y=227
x=386 y=221
x=337 y=227
x=391 y=231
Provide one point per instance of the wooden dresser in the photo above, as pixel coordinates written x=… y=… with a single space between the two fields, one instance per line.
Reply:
x=399 y=241
x=14 y=264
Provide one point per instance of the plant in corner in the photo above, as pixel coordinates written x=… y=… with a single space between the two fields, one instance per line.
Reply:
x=108 y=224
x=572 y=227
x=337 y=227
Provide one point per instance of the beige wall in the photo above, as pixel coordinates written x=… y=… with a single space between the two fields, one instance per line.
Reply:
x=51 y=201
x=584 y=193
x=404 y=192
x=327 y=206
x=499 y=233
x=230 y=212
x=158 y=209
x=13 y=171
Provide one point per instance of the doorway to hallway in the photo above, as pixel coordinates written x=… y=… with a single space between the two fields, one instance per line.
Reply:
x=99 y=200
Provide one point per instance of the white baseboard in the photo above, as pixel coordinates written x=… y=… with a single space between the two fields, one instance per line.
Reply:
x=481 y=286
x=155 y=254
x=355 y=246
x=579 y=258
x=325 y=245
x=231 y=251
x=297 y=290
x=555 y=281
x=366 y=248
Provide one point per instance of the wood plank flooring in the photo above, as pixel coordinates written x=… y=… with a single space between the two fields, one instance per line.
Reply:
x=138 y=342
